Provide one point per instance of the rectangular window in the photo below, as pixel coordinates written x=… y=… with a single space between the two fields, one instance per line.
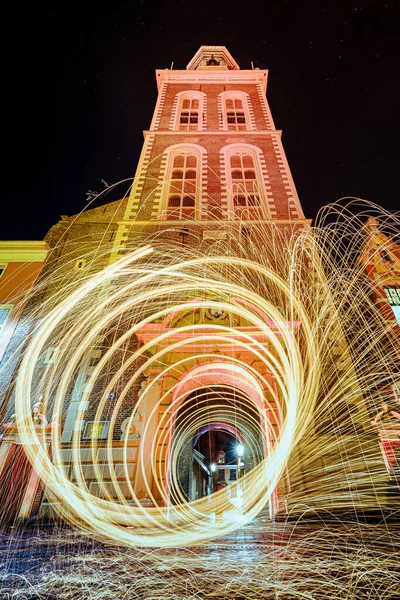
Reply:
x=393 y=295
x=245 y=190
x=189 y=117
x=96 y=430
x=235 y=116
x=181 y=203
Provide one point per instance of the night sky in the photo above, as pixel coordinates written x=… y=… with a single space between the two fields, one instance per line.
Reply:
x=79 y=88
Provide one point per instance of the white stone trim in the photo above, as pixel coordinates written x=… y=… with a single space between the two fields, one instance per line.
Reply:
x=155 y=123
x=174 y=112
x=220 y=113
x=265 y=108
x=220 y=76
x=294 y=207
x=250 y=111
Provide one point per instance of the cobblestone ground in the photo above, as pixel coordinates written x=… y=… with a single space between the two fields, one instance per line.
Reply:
x=275 y=561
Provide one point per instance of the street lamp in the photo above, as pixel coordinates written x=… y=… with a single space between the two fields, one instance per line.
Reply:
x=239 y=462
x=213 y=468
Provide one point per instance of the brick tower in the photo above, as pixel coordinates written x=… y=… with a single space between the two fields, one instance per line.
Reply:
x=212 y=154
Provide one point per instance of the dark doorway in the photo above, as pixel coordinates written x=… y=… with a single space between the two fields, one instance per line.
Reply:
x=216 y=445
x=13 y=483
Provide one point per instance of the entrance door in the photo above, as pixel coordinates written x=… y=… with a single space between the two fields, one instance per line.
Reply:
x=13 y=483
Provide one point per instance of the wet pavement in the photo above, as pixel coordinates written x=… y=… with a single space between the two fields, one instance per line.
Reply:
x=303 y=559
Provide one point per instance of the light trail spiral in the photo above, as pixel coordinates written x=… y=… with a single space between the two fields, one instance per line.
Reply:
x=302 y=339
x=120 y=301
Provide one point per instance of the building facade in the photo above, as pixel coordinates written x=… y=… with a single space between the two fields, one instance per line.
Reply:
x=20 y=265
x=212 y=179
x=381 y=260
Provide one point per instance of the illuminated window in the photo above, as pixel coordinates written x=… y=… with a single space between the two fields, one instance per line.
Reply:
x=96 y=430
x=2 y=268
x=189 y=115
x=181 y=201
x=235 y=115
x=393 y=296
x=245 y=190
x=80 y=264
x=4 y=314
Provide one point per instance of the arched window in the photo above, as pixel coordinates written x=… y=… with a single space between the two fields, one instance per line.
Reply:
x=182 y=190
x=235 y=111
x=189 y=116
x=235 y=116
x=245 y=189
x=245 y=182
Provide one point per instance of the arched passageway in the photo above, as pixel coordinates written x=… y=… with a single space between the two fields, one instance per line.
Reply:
x=211 y=425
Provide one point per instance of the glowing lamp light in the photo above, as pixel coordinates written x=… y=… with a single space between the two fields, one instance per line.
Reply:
x=239 y=450
x=213 y=467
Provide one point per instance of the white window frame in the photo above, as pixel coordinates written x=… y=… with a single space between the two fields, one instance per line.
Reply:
x=235 y=95
x=172 y=152
x=190 y=95
x=255 y=153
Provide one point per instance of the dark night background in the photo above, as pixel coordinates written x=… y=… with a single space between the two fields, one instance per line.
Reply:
x=79 y=88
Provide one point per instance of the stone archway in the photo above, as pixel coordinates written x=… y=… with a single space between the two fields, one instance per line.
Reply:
x=224 y=413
